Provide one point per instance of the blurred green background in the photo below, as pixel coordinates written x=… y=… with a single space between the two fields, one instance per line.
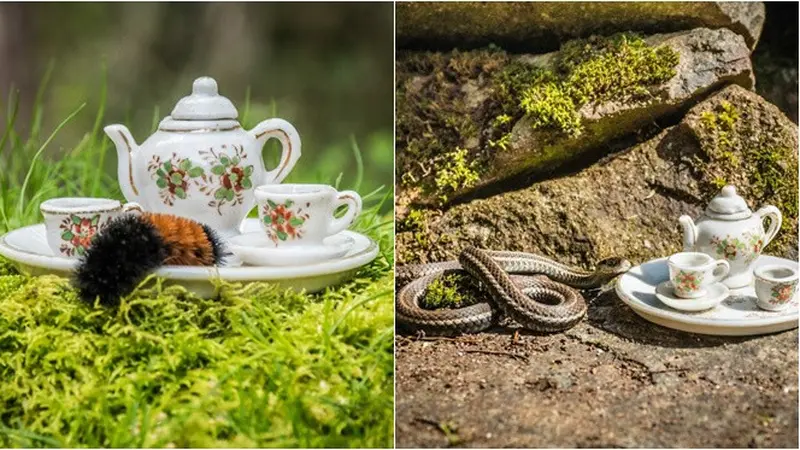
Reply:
x=325 y=67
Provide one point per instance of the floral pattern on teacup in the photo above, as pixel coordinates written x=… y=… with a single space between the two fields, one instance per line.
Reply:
x=688 y=281
x=282 y=221
x=77 y=233
x=781 y=293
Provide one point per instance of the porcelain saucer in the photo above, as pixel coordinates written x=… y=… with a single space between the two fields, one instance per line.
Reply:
x=715 y=294
x=256 y=249
x=27 y=248
x=736 y=315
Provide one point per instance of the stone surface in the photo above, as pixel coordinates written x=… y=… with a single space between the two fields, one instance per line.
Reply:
x=627 y=204
x=542 y=26
x=708 y=60
x=459 y=107
x=614 y=380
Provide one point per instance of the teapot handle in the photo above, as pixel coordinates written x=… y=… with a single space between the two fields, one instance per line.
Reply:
x=776 y=218
x=286 y=134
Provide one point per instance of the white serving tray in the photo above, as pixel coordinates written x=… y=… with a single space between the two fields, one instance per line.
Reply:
x=27 y=248
x=737 y=315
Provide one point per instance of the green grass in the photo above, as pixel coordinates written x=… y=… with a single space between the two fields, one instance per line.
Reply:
x=253 y=366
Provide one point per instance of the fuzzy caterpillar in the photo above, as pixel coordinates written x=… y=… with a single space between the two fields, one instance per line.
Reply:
x=133 y=245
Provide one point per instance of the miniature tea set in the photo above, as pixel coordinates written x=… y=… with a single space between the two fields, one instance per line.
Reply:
x=201 y=164
x=720 y=283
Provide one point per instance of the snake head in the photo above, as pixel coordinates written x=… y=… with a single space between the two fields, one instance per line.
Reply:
x=614 y=265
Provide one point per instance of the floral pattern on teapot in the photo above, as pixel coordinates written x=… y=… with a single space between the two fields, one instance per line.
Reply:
x=225 y=182
x=746 y=247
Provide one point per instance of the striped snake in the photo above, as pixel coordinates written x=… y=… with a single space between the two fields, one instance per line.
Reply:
x=536 y=292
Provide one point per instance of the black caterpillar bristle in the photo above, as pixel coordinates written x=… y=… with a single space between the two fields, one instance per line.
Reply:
x=217 y=247
x=121 y=255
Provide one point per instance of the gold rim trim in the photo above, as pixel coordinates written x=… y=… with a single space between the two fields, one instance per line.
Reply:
x=92 y=211
x=130 y=164
x=201 y=130
x=288 y=146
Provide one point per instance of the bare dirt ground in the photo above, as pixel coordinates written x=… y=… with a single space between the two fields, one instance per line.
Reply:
x=615 y=380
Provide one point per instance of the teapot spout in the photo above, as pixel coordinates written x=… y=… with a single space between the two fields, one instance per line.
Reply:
x=689 y=232
x=125 y=144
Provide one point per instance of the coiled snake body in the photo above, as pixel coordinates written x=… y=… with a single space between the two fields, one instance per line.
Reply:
x=536 y=292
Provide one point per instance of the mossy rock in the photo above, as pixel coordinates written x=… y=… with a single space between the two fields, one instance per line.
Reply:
x=472 y=120
x=543 y=26
x=628 y=203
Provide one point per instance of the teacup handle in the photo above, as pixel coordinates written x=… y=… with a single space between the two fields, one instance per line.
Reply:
x=776 y=218
x=287 y=135
x=723 y=268
x=353 y=202
x=132 y=206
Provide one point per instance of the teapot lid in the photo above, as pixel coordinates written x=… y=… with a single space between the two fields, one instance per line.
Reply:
x=728 y=205
x=205 y=103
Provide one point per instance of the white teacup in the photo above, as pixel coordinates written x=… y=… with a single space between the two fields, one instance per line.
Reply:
x=776 y=286
x=303 y=214
x=691 y=272
x=72 y=222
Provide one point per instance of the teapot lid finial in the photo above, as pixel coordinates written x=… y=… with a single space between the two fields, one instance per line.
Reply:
x=728 y=205
x=205 y=103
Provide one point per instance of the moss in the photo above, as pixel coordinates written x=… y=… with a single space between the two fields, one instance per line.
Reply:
x=415 y=223
x=620 y=67
x=448 y=291
x=614 y=68
x=433 y=116
x=550 y=106
x=455 y=173
x=736 y=134
x=470 y=101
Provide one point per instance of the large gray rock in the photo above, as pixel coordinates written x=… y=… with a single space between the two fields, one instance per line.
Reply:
x=708 y=60
x=449 y=101
x=628 y=203
x=536 y=26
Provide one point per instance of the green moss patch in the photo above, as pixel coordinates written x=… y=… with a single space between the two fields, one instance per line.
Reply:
x=251 y=367
x=463 y=105
x=621 y=67
x=449 y=291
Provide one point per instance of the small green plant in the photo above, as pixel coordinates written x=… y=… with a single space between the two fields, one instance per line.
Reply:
x=502 y=143
x=721 y=124
x=415 y=223
x=446 y=292
x=455 y=174
x=548 y=105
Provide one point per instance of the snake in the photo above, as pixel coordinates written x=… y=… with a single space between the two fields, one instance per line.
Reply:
x=536 y=292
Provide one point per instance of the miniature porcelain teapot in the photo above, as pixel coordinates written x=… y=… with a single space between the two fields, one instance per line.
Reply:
x=728 y=229
x=200 y=163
